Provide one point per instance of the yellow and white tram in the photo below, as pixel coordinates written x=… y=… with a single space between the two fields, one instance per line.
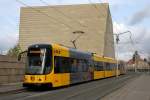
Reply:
x=54 y=65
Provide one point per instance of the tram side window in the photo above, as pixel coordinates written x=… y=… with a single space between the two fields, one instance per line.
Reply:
x=108 y=66
x=114 y=66
x=119 y=66
x=79 y=65
x=73 y=65
x=99 y=66
x=86 y=65
x=95 y=64
x=62 y=65
x=48 y=62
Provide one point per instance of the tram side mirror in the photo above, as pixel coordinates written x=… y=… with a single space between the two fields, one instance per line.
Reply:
x=20 y=55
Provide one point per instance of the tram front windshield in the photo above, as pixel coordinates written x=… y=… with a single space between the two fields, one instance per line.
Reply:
x=38 y=61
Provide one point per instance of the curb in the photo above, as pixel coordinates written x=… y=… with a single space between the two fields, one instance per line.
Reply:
x=13 y=91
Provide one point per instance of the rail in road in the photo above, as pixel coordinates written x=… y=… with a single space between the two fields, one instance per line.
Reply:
x=93 y=90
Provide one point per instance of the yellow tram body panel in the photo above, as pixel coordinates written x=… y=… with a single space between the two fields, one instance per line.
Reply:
x=59 y=50
x=109 y=60
x=104 y=59
x=99 y=74
x=55 y=79
x=34 y=78
x=110 y=73
x=119 y=73
x=114 y=72
x=105 y=73
x=59 y=79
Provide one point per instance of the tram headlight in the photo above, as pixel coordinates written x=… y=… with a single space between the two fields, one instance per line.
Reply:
x=25 y=79
x=40 y=79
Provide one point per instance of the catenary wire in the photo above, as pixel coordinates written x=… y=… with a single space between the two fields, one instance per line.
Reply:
x=59 y=11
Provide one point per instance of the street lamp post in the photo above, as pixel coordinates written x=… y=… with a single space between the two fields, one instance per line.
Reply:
x=117 y=57
x=136 y=57
x=117 y=42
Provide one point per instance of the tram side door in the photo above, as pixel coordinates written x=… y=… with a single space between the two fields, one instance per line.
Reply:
x=61 y=71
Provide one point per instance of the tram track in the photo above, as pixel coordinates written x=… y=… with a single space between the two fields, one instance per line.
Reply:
x=75 y=92
x=102 y=86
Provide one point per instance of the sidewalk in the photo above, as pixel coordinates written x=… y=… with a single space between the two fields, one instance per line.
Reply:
x=4 y=88
x=138 y=89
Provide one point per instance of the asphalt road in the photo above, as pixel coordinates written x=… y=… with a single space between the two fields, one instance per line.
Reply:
x=93 y=90
x=137 y=89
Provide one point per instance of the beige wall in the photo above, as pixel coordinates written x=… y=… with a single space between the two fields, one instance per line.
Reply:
x=109 y=49
x=53 y=27
x=10 y=70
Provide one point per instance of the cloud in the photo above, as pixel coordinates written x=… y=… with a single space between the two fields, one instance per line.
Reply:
x=141 y=15
x=7 y=41
x=140 y=38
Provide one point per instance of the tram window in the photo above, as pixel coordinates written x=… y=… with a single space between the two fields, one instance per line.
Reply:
x=95 y=65
x=99 y=66
x=119 y=66
x=73 y=65
x=85 y=65
x=115 y=66
x=65 y=65
x=112 y=66
x=48 y=61
x=62 y=65
x=57 y=64
x=108 y=66
x=79 y=65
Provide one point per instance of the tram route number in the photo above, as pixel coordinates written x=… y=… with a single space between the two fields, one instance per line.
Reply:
x=57 y=51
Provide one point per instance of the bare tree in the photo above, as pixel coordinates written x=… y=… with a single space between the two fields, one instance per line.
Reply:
x=14 y=51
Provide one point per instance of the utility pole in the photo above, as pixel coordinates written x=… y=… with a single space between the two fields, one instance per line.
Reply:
x=149 y=65
x=74 y=41
x=117 y=42
x=136 y=57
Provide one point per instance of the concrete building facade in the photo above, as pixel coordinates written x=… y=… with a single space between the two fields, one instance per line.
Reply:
x=56 y=24
x=141 y=65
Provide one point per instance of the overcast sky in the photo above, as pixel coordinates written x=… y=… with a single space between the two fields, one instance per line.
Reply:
x=132 y=15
